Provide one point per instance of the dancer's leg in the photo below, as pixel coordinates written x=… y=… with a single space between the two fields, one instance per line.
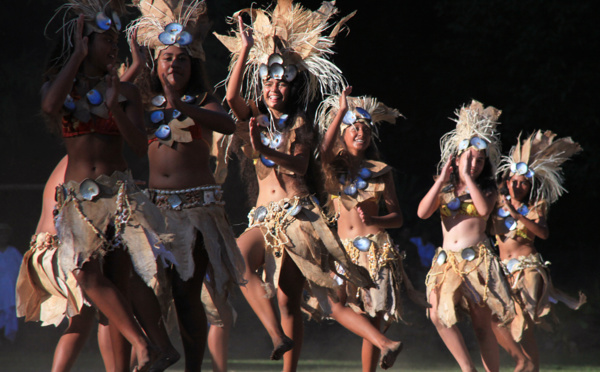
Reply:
x=452 y=338
x=73 y=339
x=530 y=345
x=370 y=353
x=190 y=312
x=289 y=299
x=513 y=348
x=481 y=318
x=107 y=298
x=218 y=339
x=362 y=327
x=104 y=344
x=147 y=311
x=251 y=244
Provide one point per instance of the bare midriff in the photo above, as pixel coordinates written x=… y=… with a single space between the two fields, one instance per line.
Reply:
x=277 y=186
x=92 y=155
x=462 y=231
x=350 y=225
x=513 y=248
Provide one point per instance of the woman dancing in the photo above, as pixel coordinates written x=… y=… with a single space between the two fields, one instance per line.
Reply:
x=358 y=183
x=102 y=217
x=181 y=117
x=464 y=272
x=532 y=180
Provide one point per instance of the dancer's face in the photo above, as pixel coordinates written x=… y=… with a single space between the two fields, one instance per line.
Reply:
x=174 y=66
x=276 y=94
x=477 y=161
x=518 y=187
x=357 y=137
x=103 y=49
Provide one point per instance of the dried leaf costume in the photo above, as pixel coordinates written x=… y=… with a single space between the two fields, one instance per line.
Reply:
x=539 y=159
x=375 y=252
x=198 y=210
x=473 y=274
x=289 y=41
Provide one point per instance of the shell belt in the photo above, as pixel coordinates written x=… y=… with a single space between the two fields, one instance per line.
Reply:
x=201 y=196
x=378 y=255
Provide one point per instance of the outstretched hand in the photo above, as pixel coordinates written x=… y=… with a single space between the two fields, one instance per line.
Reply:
x=465 y=164
x=137 y=54
x=255 y=134
x=447 y=170
x=246 y=34
x=81 y=42
x=344 y=99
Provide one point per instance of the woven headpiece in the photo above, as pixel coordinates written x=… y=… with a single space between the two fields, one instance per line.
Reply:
x=360 y=109
x=539 y=158
x=475 y=127
x=290 y=40
x=99 y=16
x=183 y=23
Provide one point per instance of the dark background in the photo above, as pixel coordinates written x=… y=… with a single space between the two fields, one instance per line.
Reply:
x=537 y=61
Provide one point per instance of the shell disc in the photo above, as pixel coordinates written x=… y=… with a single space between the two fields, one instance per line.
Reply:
x=158 y=101
x=511 y=265
x=89 y=189
x=275 y=58
x=174 y=201
x=454 y=204
x=163 y=132
x=260 y=213
x=157 y=116
x=103 y=21
x=468 y=254
x=167 y=38
x=94 y=97
x=269 y=163
x=441 y=258
x=362 y=244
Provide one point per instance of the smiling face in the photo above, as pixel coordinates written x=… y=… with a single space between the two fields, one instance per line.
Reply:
x=103 y=49
x=519 y=187
x=276 y=94
x=357 y=138
x=175 y=65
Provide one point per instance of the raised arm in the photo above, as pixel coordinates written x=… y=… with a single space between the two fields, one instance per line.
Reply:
x=483 y=203
x=538 y=227
x=431 y=201
x=55 y=92
x=137 y=60
x=130 y=118
x=296 y=162
x=234 y=88
x=334 y=128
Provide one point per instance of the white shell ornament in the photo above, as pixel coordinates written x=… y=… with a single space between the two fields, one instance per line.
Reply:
x=441 y=258
x=268 y=162
x=523 y=210
x=522 y=168
x=184 y=38
x=295 y=210
x=264 y=139
x=290 y=73
x=513 y=167
x=276 y=140
x=510 y=223
x=89 y=189
x=350 y=190
x=478 y=143
x=167 y=38
x=173 y=28
x=174 y=200
x=361 y=184
x=362 y=244
x=530 y=173
x=276 y=71
x=262 y=120
x=454 y=204
x=157 y=116
x=94 y=97
x=158 y=101
x=263 y=71
x=512 y=265
x=69 y=103
x=103 y=21
x=349 y=118
x=463 y=145
x=188 y=99
x=364 y=113
x=275 y=58
x=503 y=213
x=176 y=114
x=468 y=254
x=282 y=120
x=116 y=20
x=163 y=132
x=260 y=213
x=365 y=173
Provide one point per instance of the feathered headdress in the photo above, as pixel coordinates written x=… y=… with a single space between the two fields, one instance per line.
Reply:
x=99 y=16
x=289 y=41
x=475 y=127
x=539 y=158
x=360 y=109
x=183 y=23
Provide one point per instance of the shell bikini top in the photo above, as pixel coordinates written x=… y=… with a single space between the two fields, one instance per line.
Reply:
x=452 y=205
x=505 y=225
x=368 y=184
x=87 y=115
x=171 y=126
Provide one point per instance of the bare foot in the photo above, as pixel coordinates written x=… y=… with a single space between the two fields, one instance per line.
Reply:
x=286 y=345
x=389 y=355
x=526 y=366
x=164 y=361
x=145 y=355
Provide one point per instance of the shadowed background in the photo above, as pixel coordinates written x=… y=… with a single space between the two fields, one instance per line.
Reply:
x=535 y=60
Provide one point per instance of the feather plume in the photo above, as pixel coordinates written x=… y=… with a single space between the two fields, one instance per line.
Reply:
x=298 y=35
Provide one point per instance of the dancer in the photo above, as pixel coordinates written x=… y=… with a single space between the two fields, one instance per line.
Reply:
x=531 y=181
x=182 y=115
x=358 y=183
x=287 y=234
x=464 y=272
x=102 y=216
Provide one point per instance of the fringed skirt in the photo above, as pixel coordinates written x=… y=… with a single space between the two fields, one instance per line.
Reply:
x=469 y=276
